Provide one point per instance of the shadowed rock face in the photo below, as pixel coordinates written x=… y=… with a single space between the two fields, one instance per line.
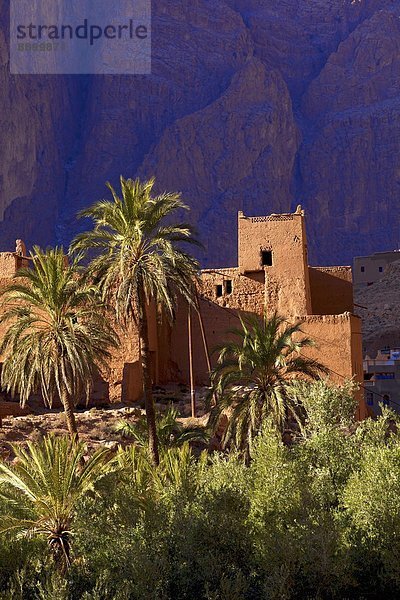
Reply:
x=378 y=305
x=251 y=105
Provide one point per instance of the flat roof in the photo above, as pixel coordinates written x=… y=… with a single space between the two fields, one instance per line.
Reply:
x=378 y=254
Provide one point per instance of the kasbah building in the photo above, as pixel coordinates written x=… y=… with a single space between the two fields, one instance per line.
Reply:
x=272 y=274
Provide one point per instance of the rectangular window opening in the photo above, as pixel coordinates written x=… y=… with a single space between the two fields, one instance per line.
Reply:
x=362 y=269
x=218 y=291
x=266 y=258
x=228 y=286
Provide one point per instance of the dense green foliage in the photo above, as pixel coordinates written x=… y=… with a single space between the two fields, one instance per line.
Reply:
x=318 y=519
x=170 y=430
x=42 y=487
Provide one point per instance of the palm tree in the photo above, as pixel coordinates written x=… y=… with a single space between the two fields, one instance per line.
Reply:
x=45 y=482
x=139 y=259
x=252 y=375
x=57 y=337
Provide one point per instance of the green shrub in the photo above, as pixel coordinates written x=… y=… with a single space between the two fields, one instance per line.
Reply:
x=319 y=519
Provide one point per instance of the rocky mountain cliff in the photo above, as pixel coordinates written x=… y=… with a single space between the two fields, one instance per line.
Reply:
x=251 y=105
x=379 y=307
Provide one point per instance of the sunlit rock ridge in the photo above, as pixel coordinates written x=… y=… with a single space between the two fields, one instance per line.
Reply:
x=252 y=105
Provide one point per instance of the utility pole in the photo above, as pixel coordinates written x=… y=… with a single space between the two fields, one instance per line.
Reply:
x=192 y=390
x=203 y=333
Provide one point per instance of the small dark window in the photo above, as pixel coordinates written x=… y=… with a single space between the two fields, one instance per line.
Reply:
x=228 y=286
x=386 y=399
x=218 y=291
x=266 y=258
x=362 y=269
x=380 y=269
x=370 y=398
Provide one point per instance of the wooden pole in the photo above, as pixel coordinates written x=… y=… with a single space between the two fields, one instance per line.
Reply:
x=205 y=343
x=203 y=333
x=192 y=390
x=266 y=294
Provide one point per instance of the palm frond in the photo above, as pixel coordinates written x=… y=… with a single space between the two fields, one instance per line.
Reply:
x=57 y=336
x=251 y=378
x=170 y=431
x=45 y=482
x=133 y=247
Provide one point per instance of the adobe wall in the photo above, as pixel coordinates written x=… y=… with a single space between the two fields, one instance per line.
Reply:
x=338 y=347
x=217 y=322
x=337 y=339
x=219 y=313
x=287 y=279
x=122 y=380
x=124 y=377
x=9 y=264
x=331 y=290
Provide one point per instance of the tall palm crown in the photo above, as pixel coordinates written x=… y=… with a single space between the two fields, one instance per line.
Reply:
x=138 y=258
x=136 y=251
x=252 y=375
x=56 y=337
x=44 y=484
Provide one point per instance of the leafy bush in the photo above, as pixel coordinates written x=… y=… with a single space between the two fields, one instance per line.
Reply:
x=170 y=431
x=317 y=519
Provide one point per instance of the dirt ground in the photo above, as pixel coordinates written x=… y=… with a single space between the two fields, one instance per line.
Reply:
x=96 y=425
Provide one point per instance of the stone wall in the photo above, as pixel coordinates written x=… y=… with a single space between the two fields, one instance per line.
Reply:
x=8 y=264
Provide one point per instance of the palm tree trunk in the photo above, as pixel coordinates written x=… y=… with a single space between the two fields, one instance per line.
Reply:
x=69 y=415
x=60 y=548
x=147 y=382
